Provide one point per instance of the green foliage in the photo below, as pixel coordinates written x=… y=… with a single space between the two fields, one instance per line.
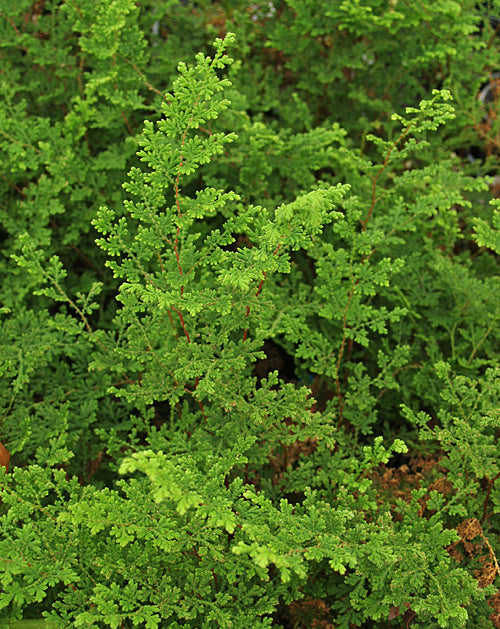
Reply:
x=249 y=314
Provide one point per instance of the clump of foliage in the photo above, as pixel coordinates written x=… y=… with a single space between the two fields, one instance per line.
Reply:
x=249 y=332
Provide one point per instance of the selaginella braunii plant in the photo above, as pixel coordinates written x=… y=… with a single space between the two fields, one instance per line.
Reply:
x=165 y=471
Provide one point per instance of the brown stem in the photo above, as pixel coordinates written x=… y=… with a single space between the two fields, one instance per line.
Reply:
x=181 y=317
x=78 y=9
x=127 y=124
x=364 y=259
x=245 y=331
x=341 y=353
x=380 y=171
x=143 y=77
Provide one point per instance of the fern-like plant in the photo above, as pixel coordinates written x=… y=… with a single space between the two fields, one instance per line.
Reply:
x=167 y=471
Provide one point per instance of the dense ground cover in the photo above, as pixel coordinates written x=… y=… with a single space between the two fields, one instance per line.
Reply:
x=249 y=309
